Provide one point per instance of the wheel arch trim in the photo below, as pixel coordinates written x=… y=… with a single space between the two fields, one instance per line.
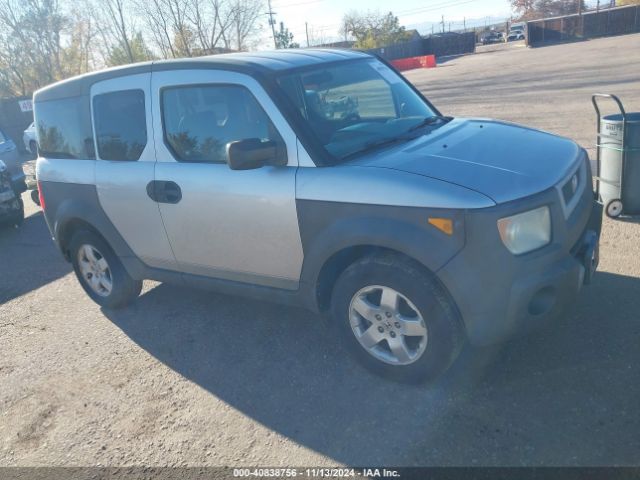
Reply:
x=347 y=240
x=77 y=204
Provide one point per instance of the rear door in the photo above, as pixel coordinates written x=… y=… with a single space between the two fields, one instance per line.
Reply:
x=221 y=223
x=121 y=114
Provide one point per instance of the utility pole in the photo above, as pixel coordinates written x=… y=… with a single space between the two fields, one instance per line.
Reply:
x=464 y=23
x=598 y=7
x=306 y=29
x=442 y=23
x=272 y=22
x=579 y=7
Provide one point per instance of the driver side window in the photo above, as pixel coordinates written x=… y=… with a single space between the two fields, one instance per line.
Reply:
x=200 y=120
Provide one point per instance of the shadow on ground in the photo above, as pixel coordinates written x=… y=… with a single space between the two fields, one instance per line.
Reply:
x=566 y=395
x=28 y=258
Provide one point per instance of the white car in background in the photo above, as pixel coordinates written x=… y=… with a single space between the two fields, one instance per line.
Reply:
x=516 y=32
x=29 y=139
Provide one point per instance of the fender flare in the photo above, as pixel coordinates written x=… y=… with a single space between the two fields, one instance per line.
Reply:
x=427 y=246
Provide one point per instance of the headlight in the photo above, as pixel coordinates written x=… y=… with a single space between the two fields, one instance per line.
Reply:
x=526 y=231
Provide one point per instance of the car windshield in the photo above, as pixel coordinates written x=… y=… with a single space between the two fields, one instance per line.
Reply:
x=358 y=106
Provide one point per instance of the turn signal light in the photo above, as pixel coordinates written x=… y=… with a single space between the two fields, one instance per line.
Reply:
x=443 y=224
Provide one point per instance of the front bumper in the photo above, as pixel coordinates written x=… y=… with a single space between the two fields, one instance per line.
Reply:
x=500 y=294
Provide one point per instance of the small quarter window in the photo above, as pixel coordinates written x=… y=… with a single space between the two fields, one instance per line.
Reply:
x=64 y=128
x=199 y=121
x=121 y=125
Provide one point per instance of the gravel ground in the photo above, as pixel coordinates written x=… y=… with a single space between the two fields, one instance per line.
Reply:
x=187 y=377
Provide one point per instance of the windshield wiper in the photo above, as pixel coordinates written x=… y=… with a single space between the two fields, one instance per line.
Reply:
x=375 y=144
x=386 y=141
x=430 y=121
x=405 y=137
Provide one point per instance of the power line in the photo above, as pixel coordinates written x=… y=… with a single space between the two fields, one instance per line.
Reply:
x=442 y=5
x=431 y=8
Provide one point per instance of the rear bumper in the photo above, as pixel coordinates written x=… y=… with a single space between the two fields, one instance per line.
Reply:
x=499 y=294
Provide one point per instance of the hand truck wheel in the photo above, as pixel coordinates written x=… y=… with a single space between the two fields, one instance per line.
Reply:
x=614 y=208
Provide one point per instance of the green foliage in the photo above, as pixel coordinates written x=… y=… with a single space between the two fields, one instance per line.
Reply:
x=373 y=30
x=31 y=54
x=284 y=38
x=118 y=55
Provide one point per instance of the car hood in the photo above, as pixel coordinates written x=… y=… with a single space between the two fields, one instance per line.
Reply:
x=500 y=160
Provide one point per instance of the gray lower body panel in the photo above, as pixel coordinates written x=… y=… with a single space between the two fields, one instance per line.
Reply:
x=500 y=294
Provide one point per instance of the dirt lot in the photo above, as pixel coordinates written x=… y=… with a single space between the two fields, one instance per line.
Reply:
x=194 y=378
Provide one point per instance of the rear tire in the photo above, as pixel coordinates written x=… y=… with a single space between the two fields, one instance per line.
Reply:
x=423 y=305
x=100 y=271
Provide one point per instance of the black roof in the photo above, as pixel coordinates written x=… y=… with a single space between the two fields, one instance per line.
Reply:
x=245 y=62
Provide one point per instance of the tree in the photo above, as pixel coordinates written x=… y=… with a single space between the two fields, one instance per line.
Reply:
x=244 y=22
x=42 y=41
x=137 y=51
x=284 y=38
x=167 y=21
x=77 y=56
x=210 y=22
x=532 y=9
x=31 y=49
x=117 y=27
x=372 y=29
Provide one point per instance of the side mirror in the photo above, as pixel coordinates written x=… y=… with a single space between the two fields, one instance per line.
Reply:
x=253 y=153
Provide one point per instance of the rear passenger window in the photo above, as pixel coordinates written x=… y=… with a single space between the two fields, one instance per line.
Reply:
x=64 y=128
x=121 y=125
x=199 y=121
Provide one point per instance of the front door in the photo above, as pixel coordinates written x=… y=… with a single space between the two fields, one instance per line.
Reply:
x=221 y=223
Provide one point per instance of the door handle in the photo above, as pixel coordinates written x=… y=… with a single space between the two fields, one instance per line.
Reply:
x=162 y=191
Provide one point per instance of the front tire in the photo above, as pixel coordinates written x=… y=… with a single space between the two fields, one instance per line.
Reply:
x=397 y=319
x=100 y=271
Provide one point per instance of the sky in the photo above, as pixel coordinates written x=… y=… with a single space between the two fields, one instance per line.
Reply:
x=324 y=16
